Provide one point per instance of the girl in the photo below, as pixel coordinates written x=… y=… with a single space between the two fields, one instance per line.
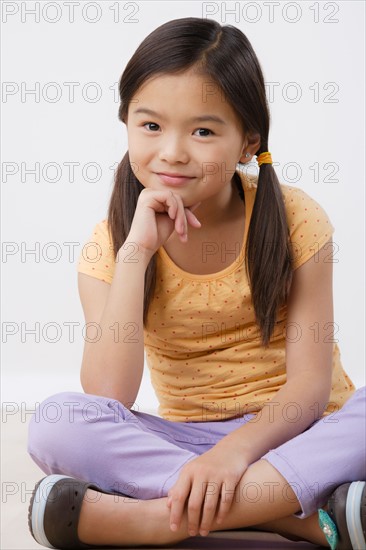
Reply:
x=222 y=277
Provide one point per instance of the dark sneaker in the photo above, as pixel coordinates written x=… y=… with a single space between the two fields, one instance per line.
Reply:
x=54 y=511
x=344 y=523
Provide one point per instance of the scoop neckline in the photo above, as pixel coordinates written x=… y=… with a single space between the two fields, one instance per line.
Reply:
x=230 y=268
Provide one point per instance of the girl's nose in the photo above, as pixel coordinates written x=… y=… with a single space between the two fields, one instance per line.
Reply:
x=173 y=150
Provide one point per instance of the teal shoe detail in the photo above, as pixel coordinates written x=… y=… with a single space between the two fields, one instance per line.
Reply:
x=329 y=528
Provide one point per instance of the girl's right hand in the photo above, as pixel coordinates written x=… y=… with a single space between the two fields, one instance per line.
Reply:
x=157 y=214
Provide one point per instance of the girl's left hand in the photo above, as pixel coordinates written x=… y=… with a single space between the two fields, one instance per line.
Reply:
x=218 y=471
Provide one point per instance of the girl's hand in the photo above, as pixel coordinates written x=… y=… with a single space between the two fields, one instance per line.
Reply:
x=206 y=479
x=157 y=214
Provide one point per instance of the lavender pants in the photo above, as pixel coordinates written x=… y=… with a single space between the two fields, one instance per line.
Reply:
x=98 y=440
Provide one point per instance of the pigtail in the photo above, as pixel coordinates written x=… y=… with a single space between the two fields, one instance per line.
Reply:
x=268 y=252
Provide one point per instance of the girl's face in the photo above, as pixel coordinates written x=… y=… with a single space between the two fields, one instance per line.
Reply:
x=182 y=125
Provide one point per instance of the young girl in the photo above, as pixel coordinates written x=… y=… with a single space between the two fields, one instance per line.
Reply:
x=225 y=279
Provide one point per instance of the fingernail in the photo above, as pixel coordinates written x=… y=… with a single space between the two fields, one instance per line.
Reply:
x=173 y=526
x=203 y=533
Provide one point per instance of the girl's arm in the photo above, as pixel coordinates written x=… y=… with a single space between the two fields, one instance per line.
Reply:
x=113 y=362
x=309 y=359
x=113 y=365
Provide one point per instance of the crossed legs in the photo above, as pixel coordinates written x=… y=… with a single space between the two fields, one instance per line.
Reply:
x=263 y=499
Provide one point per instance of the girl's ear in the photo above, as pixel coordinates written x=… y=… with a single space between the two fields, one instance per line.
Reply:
x=251 y=145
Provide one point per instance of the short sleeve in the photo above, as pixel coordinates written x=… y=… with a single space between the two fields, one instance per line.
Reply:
x=97 y=258
x=309 y=225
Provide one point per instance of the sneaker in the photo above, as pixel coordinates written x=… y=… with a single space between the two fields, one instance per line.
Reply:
x=344 y=524
x=54 y=511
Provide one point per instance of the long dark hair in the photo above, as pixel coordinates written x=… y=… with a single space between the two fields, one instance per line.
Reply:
x=224 y=54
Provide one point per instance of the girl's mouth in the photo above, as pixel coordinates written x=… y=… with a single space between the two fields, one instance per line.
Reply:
x=174 y=180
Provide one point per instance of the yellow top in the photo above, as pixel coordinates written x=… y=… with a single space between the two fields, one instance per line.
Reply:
x=202 y=343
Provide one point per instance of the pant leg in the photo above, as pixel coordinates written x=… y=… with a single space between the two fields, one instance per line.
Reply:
x=331 y=452
x=99 y=440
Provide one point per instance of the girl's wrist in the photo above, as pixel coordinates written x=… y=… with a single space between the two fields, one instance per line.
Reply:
x=236 y=443
x=133 y=252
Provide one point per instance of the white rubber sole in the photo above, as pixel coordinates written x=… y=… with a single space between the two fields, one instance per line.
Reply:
x=39 y=505
x=353 y=516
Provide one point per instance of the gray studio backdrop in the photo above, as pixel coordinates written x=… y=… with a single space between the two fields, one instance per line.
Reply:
x=61 y=63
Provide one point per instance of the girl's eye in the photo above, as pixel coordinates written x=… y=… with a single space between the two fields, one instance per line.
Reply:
x=150 y=123
x=157 y=125
x=205 y=130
